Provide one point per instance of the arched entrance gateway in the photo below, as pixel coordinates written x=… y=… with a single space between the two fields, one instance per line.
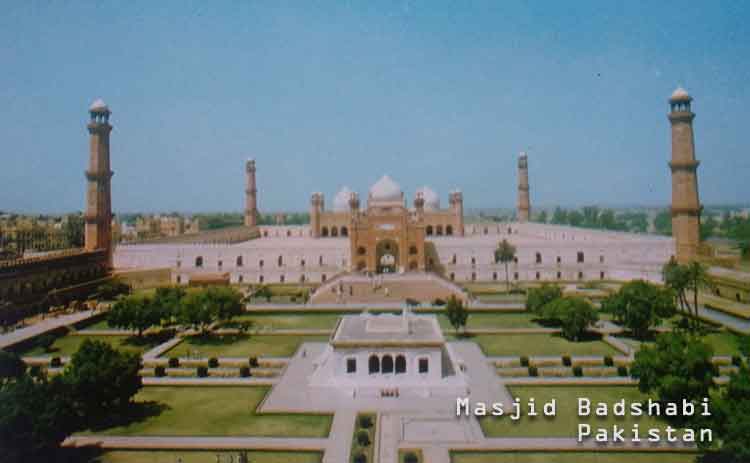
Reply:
x=386 y=253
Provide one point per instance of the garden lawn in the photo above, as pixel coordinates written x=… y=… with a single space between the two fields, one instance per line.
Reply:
x=214 y=411
x=494 y=320
x=565 y=423
x=191 y=456
x=311 y=321
x=68 y=345
x=241 y=346
x=723 y=342
x=502 y=345
x=574 y=457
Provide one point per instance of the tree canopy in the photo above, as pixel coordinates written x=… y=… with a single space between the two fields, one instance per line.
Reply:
x=678 y=366
x=574 y=315
x=640 y=305
x=456 y=312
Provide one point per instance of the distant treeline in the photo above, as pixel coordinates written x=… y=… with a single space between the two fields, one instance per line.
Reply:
x=596 y=218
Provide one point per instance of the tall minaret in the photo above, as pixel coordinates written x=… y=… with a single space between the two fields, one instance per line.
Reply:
x=98 y=216
x=316 y=208
x=686 y=207
x=456 y=201
x=524 y=204
x=251 y=195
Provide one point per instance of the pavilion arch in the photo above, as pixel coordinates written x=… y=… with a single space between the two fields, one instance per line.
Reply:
x=538 y=257
x=344 y=231
x=280 y=261
x=373 y=364
x=413 y=265
x=413 y=250
x=449 y=230
x=324 y=232
x=361 y=251
x=199 y=261
x=428 y=230
x=387 y=364
x=334 y=232
x=439 y=230
x=361 y=265
x=400 y=364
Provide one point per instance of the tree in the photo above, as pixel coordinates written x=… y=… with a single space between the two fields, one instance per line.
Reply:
x=195 y=311
x=264 y=292
x=102 y=379
x=167 y=300
x=224 y=302
x=505 y=253
x=537 y=298
x=686 y=278
x=112 y=289
x=542 y=217
x=640 y=305
x=663 y=222
x=732 y=418
x=708 y=227
x=73 y=230
x=574 y=314
x=11 y=366
x=456 y=312
x=575 y=218
x=135 y=313
x=677 y=367
x=36 y=414
x=559 y=217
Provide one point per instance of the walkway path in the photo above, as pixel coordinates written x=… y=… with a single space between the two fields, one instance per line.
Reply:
x=43 y=326
x=340 y=438
x=736 y=324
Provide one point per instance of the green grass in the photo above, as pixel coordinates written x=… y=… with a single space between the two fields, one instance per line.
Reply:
x=572 y=457
x=68 y=345
x=723 y=342
x=192 y=456
x=494 y=320
x=537 y=344
x=241 y=346
x=213 y=411
x=312 y=321
x=565 y=423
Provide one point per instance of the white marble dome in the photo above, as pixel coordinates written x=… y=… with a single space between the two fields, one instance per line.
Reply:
x=386 y=189
x=680 y=94
x=341 y=200
x=431 y=199
x=98 y=105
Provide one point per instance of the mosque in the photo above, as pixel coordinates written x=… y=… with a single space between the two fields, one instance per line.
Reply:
x=402 y=238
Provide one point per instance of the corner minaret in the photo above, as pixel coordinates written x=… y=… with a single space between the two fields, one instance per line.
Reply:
x=98 y=216
x=251 y=195
x=456 y=201
x=686 y=207
x=524 y=203
x=316 y=208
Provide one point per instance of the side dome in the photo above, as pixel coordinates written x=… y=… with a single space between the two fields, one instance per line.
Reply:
x=431 y=199
x=386 y=189
x=341 y=200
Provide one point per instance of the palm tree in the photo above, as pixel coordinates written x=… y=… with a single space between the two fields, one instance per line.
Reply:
x=505 y=253
x=684 y=278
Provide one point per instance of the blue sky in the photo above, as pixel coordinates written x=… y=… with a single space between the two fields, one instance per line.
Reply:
x=325 y=94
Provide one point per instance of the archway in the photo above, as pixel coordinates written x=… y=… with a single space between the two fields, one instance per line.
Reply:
x=387 y=256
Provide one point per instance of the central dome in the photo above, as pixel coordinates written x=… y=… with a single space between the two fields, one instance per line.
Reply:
x=386 y=189
x=431 y=199
x=341 y=200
